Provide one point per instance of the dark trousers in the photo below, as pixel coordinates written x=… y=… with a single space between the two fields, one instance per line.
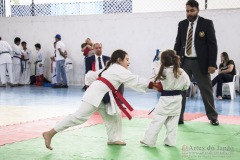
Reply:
x=191 y=67
x=220 y=79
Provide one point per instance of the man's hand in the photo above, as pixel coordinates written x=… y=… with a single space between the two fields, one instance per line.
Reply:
x=211 y=70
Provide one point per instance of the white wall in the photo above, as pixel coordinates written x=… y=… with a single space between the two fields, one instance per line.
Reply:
x=139 y=34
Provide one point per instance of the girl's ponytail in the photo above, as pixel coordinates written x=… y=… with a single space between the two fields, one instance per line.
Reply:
x=176 y=65
x=107 y=66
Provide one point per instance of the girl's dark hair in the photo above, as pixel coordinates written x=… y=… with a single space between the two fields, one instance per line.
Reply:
x=226 y=58
x=116 y=55
x=83 y=45
x=168 y=58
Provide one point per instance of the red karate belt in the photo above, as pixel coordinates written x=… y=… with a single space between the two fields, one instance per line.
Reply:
x=118 y=98
x=93 y=66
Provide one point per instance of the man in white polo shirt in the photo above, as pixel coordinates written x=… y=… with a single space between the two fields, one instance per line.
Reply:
x=61 y=78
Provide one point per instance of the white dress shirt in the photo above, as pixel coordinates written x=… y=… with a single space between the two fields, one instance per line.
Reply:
x=97 y=62
x=193 y=51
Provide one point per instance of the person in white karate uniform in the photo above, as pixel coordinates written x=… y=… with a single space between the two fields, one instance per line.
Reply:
x=17 y=57
x=167 y=111
x=116 y=72
x=5 y=62
x=53 y=64
x=39 y=65
x=27 y=60
x=68 y=68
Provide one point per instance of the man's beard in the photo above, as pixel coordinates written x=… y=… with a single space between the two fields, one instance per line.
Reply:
x=192 y=18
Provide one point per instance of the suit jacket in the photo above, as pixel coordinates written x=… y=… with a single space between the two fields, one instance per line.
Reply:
x=205 y=43
x=90 y=62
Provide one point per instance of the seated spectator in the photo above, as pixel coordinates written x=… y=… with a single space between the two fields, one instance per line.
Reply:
x=225 y=73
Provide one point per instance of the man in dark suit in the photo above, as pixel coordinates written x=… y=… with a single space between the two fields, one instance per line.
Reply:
x=197 y=46
x=97 y=61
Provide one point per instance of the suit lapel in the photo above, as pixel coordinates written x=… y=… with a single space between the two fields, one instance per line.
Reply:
x=105 y=60
x=185 y=28
x=197 y=30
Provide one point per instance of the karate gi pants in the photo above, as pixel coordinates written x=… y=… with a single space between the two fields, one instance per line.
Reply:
x=16 y=69
x=171 y=124
x=68 y=75
x=53 y=71
x=25 y=78
x=113 y=123
x=3 y=68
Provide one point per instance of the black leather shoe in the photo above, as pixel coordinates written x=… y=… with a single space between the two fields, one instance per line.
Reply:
x=64 y=86
x=56 y=86
x=180 y=122
x=214 y=122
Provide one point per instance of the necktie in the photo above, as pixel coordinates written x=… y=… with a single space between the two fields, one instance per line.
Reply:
x=189 y=40
x=99 y=63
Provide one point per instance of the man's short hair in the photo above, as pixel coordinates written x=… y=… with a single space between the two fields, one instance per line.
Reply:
x=0 y=38
x=38 y=45
x=192 y=3
x=17 y=39
x=23 y=42
x=97 y=43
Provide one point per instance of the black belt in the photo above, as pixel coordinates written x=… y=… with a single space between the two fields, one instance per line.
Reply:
x=4 y=52
x=171 y=93
x=17 y=57
x=191 y=58
x=69 y=63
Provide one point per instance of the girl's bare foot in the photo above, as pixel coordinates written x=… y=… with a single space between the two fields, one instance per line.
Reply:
x=48 y=137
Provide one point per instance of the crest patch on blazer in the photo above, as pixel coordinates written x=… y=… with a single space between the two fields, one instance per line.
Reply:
x=202 y=34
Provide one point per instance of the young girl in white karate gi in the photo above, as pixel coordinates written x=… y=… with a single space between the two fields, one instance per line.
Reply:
x=39 y=65
x=116 y=72
x=167 y=111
